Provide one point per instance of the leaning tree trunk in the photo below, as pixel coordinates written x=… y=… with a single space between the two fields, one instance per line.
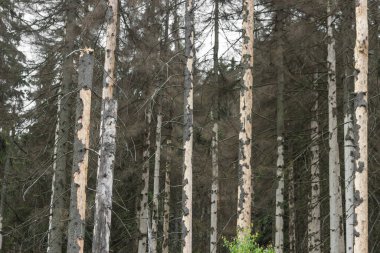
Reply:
x=361 y=129
x=76 y=231
x=314 y=215
x=279 y=233
x=292 y=210
x=168 y=165
x=103 y=198
x=214 y=141
x=349 y=148
x=245 y=133
x=3 y=195
x=335 y=191
x=187 y=183
x=61 y=149
x=144 y=205
x=156 y=181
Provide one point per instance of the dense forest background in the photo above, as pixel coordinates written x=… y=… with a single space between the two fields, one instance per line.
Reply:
x=36 y=45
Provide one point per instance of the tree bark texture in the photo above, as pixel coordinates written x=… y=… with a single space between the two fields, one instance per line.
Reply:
x=103 y=198
x=292 y=210
x=77 y=221
x=168 y=165
x=3 y=196
x=60 y=171
x=187 y=182
x=361 y=129
x=349 y=146
x=144 y=205
x=215 y=140
x=314 y=216
x=156 y=181
x=280 y=207
x=245 y=133
x=335 y=191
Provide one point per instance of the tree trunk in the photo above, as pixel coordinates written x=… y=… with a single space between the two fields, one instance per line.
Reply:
x=76 y=231
x=314 y=220
x=279 y=233
x=361 y=129
x=187 y=183
x=103 y=198
x=292 y=210
x=60 y=171
x=214 y=141
x=144 y=205
x=3 y=196
x=349 y=148
x=156 y=183
x=335 y=191
x=245 y=133
x=169 y=155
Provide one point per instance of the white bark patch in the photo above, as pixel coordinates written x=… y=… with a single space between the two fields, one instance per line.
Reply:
x=361 y=129
x=245 y=133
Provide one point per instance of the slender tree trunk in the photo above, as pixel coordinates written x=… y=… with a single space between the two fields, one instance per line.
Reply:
x=245 y=133
x=349 y=148
x=156 y=183
x=103 y=198
x=76 y=231
x=214 y=141
x=169 y=155
x=279 y=234
x=292 y=211
x=144 y=205
x=187 y=193
x=314 y=217
x=3 y=196
x=335 y=191
x=61 y=148
x=361 y=129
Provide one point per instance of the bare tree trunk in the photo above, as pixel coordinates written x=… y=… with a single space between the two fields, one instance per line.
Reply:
x=3 y=195
x=103 y=198
x=144 y=205
x=349 y=148
x=169 y=154
x=156 y=183
x=335 y=191
x=245 y=133
x=361 y=129
x=214 y=141
x=292 y=210
x=280 y=210
x=61 y=148
x=187 y=183
x=314 y=219
x=77 y=222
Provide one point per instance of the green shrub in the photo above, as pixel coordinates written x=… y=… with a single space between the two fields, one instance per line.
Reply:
x=247 y=244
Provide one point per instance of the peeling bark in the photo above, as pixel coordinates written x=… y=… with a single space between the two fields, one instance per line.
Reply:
x=314 y=216
x=361 y=129
x=245 y=133
x=103 y=198
x=335 y=191
x=76 y=230
x=60 y=171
